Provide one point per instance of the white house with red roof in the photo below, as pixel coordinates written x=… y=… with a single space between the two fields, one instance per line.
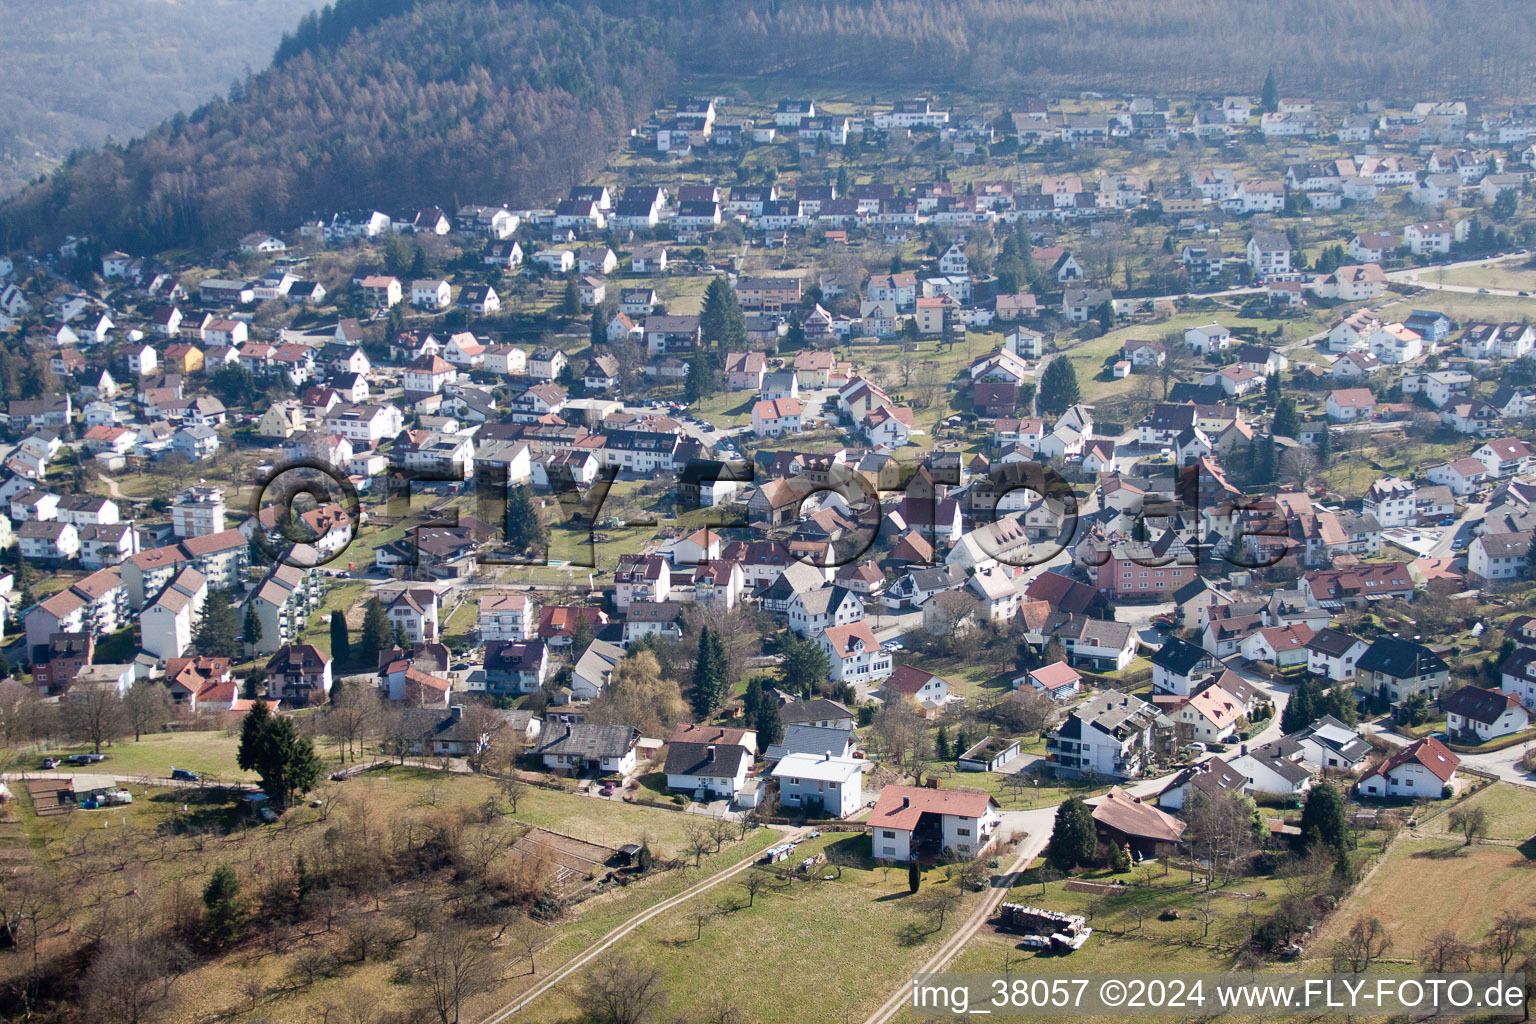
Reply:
x=908 y=682
x=1346 y=405
x=1505 y=456
x=1422 y=769
x=1209 y=716
x=854 y=654
x=1060 y=680
x=776 y=417
x=1279 y=645
x=913 y=822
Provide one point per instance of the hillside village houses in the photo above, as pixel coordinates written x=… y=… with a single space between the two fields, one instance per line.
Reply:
x=861 y=439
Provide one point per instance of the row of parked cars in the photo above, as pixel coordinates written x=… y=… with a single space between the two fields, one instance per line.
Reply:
x=79 y=760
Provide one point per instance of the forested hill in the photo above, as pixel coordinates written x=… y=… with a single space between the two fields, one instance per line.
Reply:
x=399 y=102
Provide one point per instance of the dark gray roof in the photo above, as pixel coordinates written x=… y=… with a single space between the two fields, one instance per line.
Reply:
x=1401 y=659
x=711 y=760
x=817 y=710
x=589 y=739
x=802 y=738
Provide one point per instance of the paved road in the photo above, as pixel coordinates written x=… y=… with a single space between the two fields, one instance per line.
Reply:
x=587 y=955
x=1416 y=276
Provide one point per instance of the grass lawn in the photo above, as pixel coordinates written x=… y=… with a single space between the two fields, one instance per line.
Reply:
x=207 y=753
x=855 y=931
x=727 y=408
x=1429 y=885
x=608 y=822
x=997 y=952
x=595 y=917
x=1506 y=276
x=1461 y=306
x=350 y=598
x=1511 y=813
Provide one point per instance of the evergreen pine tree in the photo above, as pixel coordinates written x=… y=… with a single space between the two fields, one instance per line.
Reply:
x=24 y=580
x=768 y=723
x=1272 y=388
x=709 y=682
x=721 y=321
x=941 y=743
x=804 y=665
x=1268 y=464
x=1324 y=812
x=1059 y=389
x=303 y=881
x=1270 y=97
x=223 y=910
x=1301 y=709
x=1074 y=841
x=753 y=699
x=526 y=533
x=398 y=636
x=341 y=640
x=700 y=382
x=599 y=331
x=250 y=635
x=581 y=633
x=570 y=301
x=1324 y=447
x=1286 y=422
x=375 y=636
x=252 y=734
x=1104 y=315
x=914 y=877
x=218 y=630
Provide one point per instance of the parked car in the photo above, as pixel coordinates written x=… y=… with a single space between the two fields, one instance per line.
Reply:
x=606 y=790
x=182 y=775
x=86 y=758
x=50 y=762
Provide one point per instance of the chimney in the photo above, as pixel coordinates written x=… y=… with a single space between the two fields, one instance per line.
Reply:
x=709 y=757
x=456 y=712
x=826 y=755
x=906 y=802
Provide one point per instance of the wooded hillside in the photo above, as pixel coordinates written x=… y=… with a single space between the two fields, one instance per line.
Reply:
x=73 y=74
x=398 y=102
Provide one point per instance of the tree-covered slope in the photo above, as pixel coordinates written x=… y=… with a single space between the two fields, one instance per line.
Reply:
x=74 y=73
x=398 y=102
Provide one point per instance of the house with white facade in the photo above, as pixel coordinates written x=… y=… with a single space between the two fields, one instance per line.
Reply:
x=913 y=822
x=1421 y=770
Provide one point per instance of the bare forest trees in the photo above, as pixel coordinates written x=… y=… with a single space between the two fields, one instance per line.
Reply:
x=619 y=991
x=452 y=964
x=353 y=717
x=95 y=714
x=1220 y=830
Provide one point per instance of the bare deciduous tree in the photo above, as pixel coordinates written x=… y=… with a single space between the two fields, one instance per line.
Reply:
x=130 y=978
x=452 y=965
x=618 y=991
x=1471 y=822
x=1444 y=952
x=756 y=883
x=1507 y=936
x=1366 y=941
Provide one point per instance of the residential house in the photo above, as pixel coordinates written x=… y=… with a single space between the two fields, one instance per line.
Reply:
x=1423 y=770
x=913 y=822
